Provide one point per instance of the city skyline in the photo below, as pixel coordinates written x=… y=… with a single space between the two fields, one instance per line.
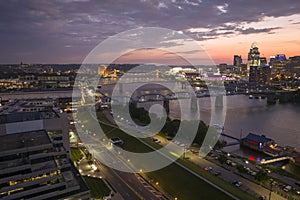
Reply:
x=66 y=31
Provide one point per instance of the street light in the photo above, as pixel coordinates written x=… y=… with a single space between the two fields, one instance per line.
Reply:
x=271 y=186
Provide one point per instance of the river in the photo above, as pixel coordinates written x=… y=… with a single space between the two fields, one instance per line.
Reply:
x=280 y=122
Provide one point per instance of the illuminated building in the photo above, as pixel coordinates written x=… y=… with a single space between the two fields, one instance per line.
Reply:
x=278 y=65
x=237 y=62
x=253 y=56
x=225 y=69
x=256 y=142
x=50 y=81
x=263 y=61
x=257 y=67
x=36 y=166
x=102 y=70
x=259 y=74
x=115 y=73
x=293 y=66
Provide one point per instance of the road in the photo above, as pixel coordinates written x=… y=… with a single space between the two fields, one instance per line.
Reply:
x=128 y=185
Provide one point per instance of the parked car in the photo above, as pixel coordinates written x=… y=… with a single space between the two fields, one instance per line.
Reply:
x=217 y=173
x=287 y=188
x=258 y=166
x=237 y=183
x=155 y=140
x=208 y=168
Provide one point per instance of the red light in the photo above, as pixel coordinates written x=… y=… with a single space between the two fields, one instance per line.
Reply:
x=250 y=157
x=253 y=142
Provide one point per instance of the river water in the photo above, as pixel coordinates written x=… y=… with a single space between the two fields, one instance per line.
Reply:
x=280 y=122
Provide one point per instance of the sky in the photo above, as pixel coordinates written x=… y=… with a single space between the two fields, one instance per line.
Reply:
x=65 y=31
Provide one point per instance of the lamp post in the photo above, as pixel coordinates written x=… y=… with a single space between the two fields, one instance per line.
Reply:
x=271 y=186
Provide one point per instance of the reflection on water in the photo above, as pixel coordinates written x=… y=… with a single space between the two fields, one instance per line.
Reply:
x=279 y=122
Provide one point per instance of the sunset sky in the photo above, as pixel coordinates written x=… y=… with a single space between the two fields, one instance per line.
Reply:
x=65 y=31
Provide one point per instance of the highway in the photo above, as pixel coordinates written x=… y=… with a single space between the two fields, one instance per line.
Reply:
x=128 y=185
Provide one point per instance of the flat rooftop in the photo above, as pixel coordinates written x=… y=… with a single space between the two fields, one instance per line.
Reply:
x=257 y=138
x=23 y=140
x=27 y=116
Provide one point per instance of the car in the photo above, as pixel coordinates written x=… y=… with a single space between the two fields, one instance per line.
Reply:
x=208 y=168
x=237 y=183
x=217 y=173
x=258 y=166
x=287 y=188
x=155 y=140
x=253 y=173
x=116 y=141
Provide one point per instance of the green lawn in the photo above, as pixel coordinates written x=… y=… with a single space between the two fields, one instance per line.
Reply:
x=183 y=185
x=76 y=154
x=97 y=186
x=102 y=117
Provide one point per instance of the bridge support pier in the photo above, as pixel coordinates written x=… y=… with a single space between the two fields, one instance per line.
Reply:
x=120 y=88
x=219 y=101
x=194 y=104
x=286 y=97
x=166 y=104
x=271 y=99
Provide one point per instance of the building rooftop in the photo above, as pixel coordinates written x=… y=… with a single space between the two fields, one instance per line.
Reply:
x=26 y=105
x=257 y=138
x=23 y=140
x=27 y=116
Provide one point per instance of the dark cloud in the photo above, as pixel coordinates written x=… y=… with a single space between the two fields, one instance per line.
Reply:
x=58 y=30
x=253 y=30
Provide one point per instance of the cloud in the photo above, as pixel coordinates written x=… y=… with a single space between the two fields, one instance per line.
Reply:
x=253 y=30
x=222 y=8
x=40 y=26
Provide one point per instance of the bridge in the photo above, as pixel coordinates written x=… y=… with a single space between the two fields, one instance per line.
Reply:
x=276 y=159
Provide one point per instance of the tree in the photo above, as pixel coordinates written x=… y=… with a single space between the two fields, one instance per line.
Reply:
x=261 y=176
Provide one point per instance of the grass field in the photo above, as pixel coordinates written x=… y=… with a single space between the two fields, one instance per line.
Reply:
x=97 y=186
x=76 y=154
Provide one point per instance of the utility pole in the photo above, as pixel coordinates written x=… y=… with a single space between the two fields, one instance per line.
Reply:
x=271 y=186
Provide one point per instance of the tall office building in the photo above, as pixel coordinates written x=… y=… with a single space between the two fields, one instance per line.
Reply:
x=253 y=56
x=237 y=60
x=293 y=66
x=237 y=64
x=259 y=74
x=278 y=65
x=263 y=61
x=257 y=67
